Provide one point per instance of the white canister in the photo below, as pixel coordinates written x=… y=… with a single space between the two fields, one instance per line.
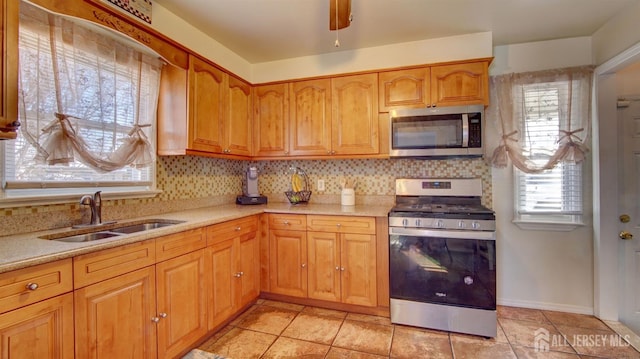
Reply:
x=348 y=197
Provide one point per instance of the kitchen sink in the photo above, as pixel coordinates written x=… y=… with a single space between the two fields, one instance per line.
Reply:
x=140 y=227
x=88 y=237
x=112 y=230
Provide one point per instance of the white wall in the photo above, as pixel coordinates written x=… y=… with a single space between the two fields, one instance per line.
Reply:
x=184 y=33
x=541 y=269
x=617 y=35
x=478 y=45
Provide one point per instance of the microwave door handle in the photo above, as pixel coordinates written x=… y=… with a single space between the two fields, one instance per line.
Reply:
x=465 y=130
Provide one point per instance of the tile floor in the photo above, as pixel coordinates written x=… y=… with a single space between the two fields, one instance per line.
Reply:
x=272 y=329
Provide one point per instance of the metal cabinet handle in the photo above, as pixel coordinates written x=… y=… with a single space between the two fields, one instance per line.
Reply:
x=304 y=265
x=339 y=225
x=155 y=319
x=162 y=315
x=337 y=268
x=237 y=275
x=286 y=222
x=342 y=269
x=238 y=228
x=32 y=286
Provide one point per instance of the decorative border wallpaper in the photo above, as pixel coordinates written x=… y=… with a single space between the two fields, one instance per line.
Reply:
x=192 y=182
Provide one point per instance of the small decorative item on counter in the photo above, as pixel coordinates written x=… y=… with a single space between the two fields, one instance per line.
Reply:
x=348 y=193
x=300 y=192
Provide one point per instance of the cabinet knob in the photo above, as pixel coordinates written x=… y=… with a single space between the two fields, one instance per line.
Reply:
x=32 y=286
x=155 y=319
x=342 y=269
x=286 y=222
x=286 y=152
x=238 y=228
x=237 y=275
x=337 y=268
x=241 y=274
x=339 y=225
x=304 y=265
x=162 y=315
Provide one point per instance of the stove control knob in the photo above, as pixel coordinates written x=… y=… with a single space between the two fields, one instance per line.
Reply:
x=475 y=225
x=462 y=225
x=405 y=222
x=439 y=224
x=418 y=223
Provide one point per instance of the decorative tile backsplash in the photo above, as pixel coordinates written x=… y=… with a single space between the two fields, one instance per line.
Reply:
x=191 y=182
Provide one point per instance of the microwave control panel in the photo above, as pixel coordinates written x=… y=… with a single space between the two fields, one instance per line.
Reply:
x=475 y=132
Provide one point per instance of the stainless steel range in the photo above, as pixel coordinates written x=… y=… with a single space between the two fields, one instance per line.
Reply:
x=442 y=258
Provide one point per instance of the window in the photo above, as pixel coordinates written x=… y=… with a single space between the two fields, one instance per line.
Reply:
x=544 y=120
x=87 y=106
x=553 y=195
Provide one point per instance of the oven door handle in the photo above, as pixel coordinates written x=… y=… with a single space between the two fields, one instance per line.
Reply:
x=482 y=235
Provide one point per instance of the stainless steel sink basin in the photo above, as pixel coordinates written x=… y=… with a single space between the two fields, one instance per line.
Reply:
x=111 y=230
x=143 y=227
x=87 y=237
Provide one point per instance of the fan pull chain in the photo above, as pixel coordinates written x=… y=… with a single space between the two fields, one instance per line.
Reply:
x=337 y=43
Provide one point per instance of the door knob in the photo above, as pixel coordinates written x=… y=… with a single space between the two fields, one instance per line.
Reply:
x=624 y=218
x=625 y=235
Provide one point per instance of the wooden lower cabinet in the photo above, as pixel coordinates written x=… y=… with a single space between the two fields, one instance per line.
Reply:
x=115 y=318
x=40 y=330
x=288 y=262
x=233 y=260
x=181 y=303
x=335 y=260
x=342 y=268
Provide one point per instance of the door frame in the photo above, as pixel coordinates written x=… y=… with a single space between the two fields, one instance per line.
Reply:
x=605 y=186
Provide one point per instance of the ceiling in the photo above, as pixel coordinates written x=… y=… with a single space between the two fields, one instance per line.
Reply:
x=270 y=30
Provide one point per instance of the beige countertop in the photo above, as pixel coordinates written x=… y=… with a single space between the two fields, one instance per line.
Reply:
x=24 y=250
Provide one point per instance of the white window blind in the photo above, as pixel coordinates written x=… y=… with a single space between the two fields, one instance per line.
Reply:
x=107 y=85
x=553 y=195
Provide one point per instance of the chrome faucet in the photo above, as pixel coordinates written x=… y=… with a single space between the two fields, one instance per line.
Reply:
x=95 y=204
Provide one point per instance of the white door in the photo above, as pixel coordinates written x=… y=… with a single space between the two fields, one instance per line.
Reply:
x=629 y=202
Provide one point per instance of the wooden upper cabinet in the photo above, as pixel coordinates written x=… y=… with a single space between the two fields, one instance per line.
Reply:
x=460 y=84
x=271 y=120
x=404 y=89
x=207 y=90
x=237 y=125
x=9 y=69
x=355 y=114
x=310 y=117
x=465 y=83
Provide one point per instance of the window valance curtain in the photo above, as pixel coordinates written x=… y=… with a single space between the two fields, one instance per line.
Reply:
x=85 y=93
x=519 y=96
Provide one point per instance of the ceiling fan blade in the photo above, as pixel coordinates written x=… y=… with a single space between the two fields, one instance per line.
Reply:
x=344 y=13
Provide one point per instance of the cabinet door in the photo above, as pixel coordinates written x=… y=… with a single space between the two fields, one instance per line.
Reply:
x=355 y=115
x=249 y=267
x=113 y=317
x=324 y=266
x=9 y=69
x=404 y=89
x=460 y=84
x=237 y=127
x=288 y=262
x=310 y=117
x=182 y=303
x=207 y=90
x=271 y=120
x=358 y=267
x=222 y=297
x=40 y=330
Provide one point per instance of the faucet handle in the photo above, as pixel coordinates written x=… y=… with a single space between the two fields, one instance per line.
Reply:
x=86 y=200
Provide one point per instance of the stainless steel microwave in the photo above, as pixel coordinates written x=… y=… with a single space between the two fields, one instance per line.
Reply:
x=438 y=131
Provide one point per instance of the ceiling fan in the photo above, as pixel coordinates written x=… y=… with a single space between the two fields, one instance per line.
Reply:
x=339 y=14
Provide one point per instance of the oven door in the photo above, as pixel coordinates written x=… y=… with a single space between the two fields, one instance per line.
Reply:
x=443 y=267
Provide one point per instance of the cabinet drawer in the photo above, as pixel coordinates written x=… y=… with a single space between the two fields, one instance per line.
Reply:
x=231 y=229
x=180 y=243
x=46 y=280
x=294 y=222
x=341 y=224
x=95 y=267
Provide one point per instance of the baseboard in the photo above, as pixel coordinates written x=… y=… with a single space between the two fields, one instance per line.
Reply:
x=546 y=306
